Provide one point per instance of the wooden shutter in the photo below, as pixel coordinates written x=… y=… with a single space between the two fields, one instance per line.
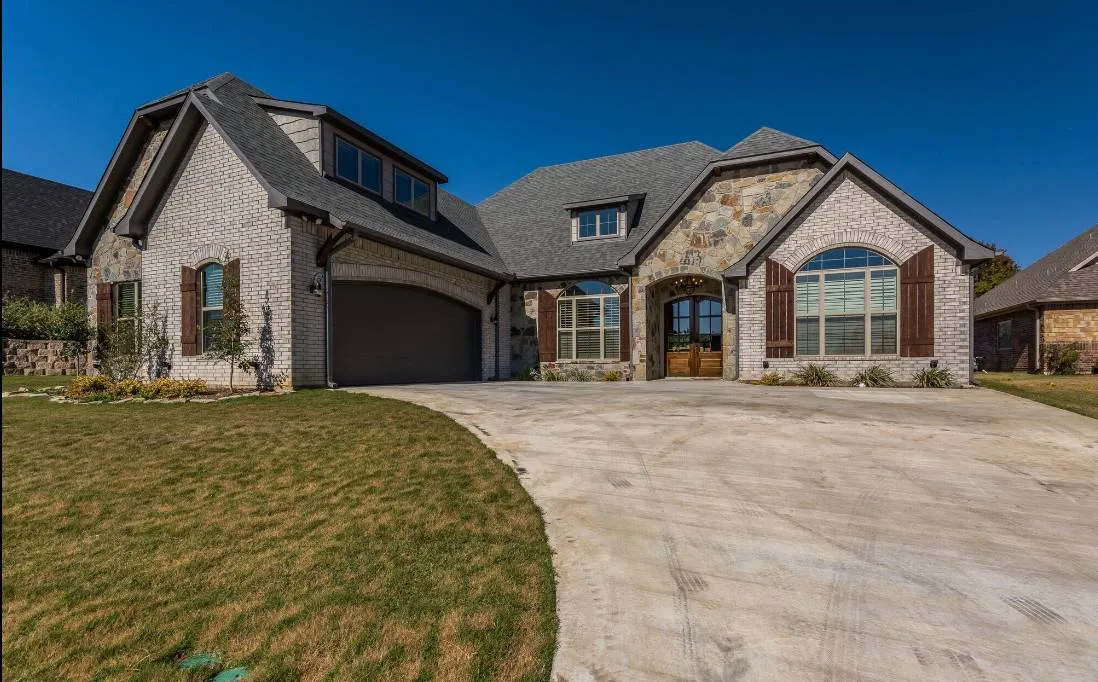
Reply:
x=780 y=318
x=547 y=326
x=232 y=276
x=188 y=311
x=624 y=329
x=917 y=305
x=103 y=312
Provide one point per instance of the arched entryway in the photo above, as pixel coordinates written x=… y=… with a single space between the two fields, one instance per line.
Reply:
x=686 y=327
x=693 y=336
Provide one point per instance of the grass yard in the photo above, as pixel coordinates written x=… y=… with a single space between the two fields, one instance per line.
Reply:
x=31 y=382
x=1077 y=393
x=318 y=535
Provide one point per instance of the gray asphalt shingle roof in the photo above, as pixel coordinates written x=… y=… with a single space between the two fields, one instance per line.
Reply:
x=532 y=230
x=765 y=141
x=457 y=234
x=1049 y=279
x=40 y=213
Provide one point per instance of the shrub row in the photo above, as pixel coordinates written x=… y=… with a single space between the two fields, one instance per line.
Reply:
x=101 y=387
x=24 y=318
x=877 y=376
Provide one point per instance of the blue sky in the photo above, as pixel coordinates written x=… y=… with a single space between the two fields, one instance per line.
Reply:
x=987 y=113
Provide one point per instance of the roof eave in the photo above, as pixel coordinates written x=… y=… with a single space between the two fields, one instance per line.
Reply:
x=971 y=251
x=327 y=113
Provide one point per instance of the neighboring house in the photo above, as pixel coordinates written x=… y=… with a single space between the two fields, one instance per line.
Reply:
x=675 y=261
x=1052 y=302
x=40 y=216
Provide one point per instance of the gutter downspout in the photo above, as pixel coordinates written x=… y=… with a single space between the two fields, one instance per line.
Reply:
x=1037 y=363
x=341 y=244
x=494 y=294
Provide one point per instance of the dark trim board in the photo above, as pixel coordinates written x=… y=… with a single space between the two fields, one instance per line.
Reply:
x=970 y=250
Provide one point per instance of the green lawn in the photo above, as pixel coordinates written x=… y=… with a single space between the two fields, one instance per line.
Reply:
x=13 y=382
x=1077 y=393
x=317 y=535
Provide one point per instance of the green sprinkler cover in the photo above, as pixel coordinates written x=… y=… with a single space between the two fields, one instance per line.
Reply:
x=230 y=675
x=198 y=661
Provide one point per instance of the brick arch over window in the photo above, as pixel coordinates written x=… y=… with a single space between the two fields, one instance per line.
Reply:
x=360 y=272
x=207 y=253
x=883 y=244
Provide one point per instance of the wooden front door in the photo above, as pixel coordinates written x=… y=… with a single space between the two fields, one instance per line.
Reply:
x=692 y=327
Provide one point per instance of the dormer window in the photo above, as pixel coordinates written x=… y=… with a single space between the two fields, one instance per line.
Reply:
x=355 y=165
x=600 y=223
x=411 y=192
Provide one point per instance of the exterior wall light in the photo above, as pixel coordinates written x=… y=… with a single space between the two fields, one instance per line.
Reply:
x=316 y=288
x=934 y=364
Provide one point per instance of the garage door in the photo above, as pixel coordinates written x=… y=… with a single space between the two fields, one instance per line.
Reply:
x=384 y=334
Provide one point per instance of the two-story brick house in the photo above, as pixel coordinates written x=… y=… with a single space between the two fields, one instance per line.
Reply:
x=679 y=260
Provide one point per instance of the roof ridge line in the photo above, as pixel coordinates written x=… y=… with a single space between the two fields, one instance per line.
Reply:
x=620 y=154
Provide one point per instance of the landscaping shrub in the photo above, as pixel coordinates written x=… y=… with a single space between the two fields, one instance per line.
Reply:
x=578 y=374
x=24 y=318
x=549 y=374
x=173 y=388
x=874 y=377
x=1062 y=359
x=101 y=387
x=933 y=377
x=83 y=386
x=527 y=374
x=613 y=375
x=812 y=374
x=770 y=378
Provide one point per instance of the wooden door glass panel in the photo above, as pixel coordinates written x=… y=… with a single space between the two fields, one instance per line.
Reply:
x=678 y=325
x=708 y=333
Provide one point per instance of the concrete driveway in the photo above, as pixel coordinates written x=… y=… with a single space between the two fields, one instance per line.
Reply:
x=714 y=531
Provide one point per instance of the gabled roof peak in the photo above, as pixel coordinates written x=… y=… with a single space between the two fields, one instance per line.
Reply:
x=765 y=141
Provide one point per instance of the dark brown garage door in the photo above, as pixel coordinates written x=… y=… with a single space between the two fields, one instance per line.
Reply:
x=384 y=334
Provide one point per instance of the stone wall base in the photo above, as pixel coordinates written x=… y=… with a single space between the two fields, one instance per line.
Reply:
x=23 y=357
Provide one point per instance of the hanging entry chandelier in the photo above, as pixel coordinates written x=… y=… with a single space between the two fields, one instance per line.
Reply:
x=687 y=284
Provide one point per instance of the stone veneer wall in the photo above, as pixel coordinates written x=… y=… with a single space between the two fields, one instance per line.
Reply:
x=851 y=213
x=524 y=327
x=114 y=258
x=1075 y=324
x=25 y=357
x=369 y=261
x=732 y=212
x=216 y=209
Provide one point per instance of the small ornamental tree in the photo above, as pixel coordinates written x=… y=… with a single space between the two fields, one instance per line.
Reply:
x=228 y=338
x=994 y=272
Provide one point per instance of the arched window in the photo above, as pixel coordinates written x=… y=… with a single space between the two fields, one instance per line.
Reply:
x=588 y=319
x=211 y=300
x=846 y=302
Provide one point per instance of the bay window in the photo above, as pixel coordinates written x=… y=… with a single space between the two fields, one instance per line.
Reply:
x=846 y=301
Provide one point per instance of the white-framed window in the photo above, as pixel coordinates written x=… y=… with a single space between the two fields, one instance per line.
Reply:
x=127 y=303
x=411 y=192
x=599 y=223
x=357 y=166
x=211 y=301
x=1003 y=334
x=588 y=322
x=846 y=304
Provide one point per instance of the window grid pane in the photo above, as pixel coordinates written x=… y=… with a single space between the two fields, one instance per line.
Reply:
x=588 y=344
x=882 y=290
x=587 y=224
x=212 y=291
x=844 y=335
x=346 y=160
x=844 y=292
x=370 y=172
x=882 y=337
x=565 y=346
x=808 y=336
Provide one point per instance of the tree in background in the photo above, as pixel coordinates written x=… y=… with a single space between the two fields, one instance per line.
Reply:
x=994 y=272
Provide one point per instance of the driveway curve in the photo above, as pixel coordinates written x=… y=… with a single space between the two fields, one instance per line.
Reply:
x=712 y=531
